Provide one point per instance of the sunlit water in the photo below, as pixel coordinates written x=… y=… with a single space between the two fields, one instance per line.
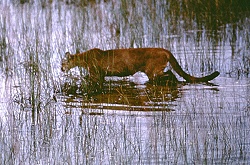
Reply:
x=129 y=124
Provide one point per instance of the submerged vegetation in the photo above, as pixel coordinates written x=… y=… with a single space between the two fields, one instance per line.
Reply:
x=47 y=118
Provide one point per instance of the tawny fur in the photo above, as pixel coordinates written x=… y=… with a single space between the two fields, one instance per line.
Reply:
x=124 y=62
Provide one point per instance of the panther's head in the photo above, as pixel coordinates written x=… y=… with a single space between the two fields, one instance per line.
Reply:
x=68 y=62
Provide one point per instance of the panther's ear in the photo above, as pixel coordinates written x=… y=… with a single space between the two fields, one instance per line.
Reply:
x=68 y=55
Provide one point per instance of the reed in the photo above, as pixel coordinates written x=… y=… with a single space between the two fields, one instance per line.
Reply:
x=46 y=117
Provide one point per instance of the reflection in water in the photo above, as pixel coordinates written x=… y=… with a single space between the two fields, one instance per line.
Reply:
x=120 y=93
x=127 y=124
x=126 y=96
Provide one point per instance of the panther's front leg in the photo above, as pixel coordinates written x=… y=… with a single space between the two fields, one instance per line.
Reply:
x=95 y=81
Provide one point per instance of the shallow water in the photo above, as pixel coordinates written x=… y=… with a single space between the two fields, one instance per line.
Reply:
x=40 y=123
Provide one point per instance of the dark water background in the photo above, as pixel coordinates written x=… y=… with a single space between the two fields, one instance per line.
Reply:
x=40 y=123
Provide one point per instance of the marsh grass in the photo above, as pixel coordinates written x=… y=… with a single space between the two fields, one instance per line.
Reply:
x=42 y=124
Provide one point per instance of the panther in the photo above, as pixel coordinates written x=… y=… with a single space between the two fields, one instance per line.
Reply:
x=123 y=62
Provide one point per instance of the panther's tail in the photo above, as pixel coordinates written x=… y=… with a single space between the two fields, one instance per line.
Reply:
x=176 y=66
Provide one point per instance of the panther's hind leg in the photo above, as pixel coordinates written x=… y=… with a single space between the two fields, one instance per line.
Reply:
x=167 y=79
x=157 y=76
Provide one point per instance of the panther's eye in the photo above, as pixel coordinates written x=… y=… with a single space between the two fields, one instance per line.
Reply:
x=67 y=55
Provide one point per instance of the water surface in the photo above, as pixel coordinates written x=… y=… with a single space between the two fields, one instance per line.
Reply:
x=40 y=123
